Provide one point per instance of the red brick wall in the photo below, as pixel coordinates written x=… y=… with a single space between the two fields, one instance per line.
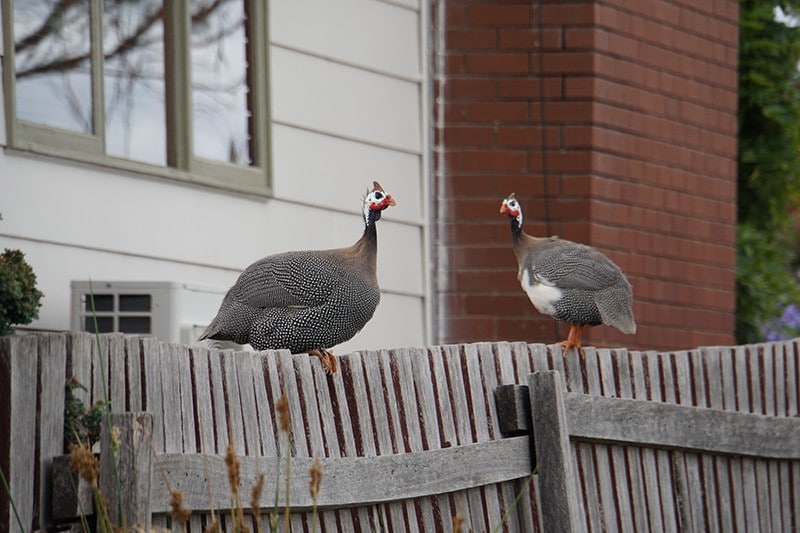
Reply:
x=638 y=126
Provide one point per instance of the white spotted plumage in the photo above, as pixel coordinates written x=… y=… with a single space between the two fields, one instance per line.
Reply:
x=570 y=281
x=305 y=300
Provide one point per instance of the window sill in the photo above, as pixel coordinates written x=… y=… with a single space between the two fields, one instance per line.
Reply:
x=220 y=176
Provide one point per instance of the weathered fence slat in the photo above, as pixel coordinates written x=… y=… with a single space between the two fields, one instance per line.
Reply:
x=554 y=452
x=605 y=455
x=131 y=466
x=696 y=429
x=650 y=503
x=52 y=379
x=791 y=383
x=475 y=356
x=398 y=371
x=18 y=445
x=133 y=363
x=429 y=420
x=680 y=427
x=353 y=480
x=529 y=505
x=460 y=501
x=383 y=420
x=342 y=444
x=458 y=389
x=315 y=445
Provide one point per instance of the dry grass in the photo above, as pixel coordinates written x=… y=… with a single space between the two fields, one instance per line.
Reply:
x=87 y=465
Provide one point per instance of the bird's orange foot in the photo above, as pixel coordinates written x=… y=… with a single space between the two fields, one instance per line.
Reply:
x=568 y=345
x=573 y=340
x=326 y=358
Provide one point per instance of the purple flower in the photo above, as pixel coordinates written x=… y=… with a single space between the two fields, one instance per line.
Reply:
x=785 y=327
x=791 y=316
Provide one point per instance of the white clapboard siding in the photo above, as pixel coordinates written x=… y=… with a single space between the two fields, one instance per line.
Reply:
x=410 y=4
x=366 y=33
x=333 y=98
x=410 y=438
x=331 y=172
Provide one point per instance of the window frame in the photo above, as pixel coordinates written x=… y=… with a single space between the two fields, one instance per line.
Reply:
x=181 y=163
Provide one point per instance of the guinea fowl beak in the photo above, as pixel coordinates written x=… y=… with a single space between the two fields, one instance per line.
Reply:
x=504 y=209
x=389 y=201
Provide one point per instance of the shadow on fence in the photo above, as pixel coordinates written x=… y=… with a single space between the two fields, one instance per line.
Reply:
x=409 y=439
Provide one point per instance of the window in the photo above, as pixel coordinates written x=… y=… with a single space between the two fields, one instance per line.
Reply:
x=171 y=87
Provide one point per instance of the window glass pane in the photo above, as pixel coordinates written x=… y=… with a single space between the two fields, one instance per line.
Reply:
x=102 y=302
x=134 y=324
x=220 y=110
x=52 y=61
x=105 y=324
x=133 y=80
x=134 y=302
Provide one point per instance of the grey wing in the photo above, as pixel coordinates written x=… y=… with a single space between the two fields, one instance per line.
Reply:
x=289 y=281
x=570 y=265
x=294 y=279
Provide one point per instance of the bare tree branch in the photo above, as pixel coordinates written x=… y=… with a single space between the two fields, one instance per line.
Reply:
x=124 y=45
x=46 y=28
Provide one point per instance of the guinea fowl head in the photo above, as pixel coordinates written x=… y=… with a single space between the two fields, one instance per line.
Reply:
x=511 y=207
x=375 y=202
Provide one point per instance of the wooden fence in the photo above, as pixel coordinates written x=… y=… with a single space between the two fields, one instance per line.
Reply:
x=417 y=439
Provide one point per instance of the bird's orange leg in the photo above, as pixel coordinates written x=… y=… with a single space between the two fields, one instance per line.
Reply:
x=326 y=358
x=573 y=339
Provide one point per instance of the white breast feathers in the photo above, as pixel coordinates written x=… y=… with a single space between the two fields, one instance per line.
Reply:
x=541 y=292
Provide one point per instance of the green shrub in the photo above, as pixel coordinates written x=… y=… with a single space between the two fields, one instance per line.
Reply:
x=769 y=164
x=19 y=298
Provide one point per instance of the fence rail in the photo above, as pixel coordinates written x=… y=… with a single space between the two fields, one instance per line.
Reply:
x=695 y=440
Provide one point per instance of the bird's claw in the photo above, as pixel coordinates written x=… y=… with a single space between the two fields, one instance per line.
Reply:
x=568 y=345
x=326 y=358
x=573 y=340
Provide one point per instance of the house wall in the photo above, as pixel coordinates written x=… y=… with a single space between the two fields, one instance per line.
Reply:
x=347 y=107
x=629 y=111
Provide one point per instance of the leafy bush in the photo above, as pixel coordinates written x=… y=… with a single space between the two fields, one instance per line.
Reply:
x=19 y=298
x=769 y=165
x=765 y=284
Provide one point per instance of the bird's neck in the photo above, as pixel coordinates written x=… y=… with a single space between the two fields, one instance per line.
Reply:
x=366 y=248
x=370 y=235
x=521 y=241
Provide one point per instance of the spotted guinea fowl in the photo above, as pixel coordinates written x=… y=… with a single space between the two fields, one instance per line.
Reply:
x=306 y=301
x=571 y=282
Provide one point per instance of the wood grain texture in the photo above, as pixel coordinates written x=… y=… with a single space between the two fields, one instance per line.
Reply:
x=130 y=469
x=52 y=378
x=682 y=427
x=351 y=481
x=19 y=368
x=554 y=452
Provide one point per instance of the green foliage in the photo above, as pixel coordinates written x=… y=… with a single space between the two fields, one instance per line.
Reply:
x=769 y=165
x=81 y=425
x=19 y=298
x=765 y=285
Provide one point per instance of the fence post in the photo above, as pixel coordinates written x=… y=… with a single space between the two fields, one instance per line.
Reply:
x=134 y=462
x=558 y=493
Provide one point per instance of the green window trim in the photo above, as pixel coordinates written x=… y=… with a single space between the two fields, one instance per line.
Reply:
x=181 y=163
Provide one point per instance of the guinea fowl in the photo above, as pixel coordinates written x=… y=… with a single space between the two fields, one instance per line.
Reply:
x=306 y=301
x=571 y=282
